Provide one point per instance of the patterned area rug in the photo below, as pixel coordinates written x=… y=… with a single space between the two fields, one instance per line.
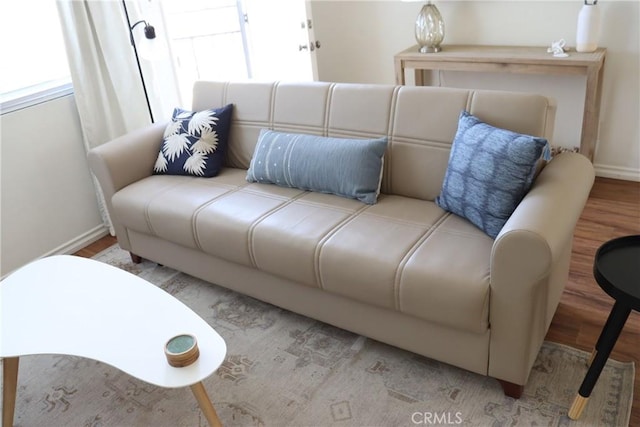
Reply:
x=283 y=369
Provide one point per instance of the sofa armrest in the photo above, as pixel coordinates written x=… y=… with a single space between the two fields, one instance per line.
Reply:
x=123 y=161
x=126 y=159
x=530 y=264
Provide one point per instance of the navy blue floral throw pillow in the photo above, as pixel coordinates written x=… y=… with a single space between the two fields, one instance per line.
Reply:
x=195 y=142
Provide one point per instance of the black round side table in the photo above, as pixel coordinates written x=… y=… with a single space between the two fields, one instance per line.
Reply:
x=616 y=268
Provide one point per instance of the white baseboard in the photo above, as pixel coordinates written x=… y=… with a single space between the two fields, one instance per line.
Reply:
x=79 y=242
x=617 y=172
x=73 y=245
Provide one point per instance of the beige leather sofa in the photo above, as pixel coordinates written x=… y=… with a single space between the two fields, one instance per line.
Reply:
x=401 y=271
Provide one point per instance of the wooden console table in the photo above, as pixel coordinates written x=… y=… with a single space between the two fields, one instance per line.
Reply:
x=516 y=59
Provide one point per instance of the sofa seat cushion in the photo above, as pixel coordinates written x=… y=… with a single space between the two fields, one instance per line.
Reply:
x=214 y=215
x=453 y=285
x=165 y=205
x=402 y=254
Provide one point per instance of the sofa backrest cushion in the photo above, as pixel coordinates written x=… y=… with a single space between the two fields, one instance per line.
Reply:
x=419 y=122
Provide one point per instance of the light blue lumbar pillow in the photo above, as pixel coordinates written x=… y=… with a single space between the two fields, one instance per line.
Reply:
x=489 y=172
x=346 y=167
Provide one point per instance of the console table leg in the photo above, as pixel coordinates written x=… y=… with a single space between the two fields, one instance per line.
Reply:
x=205 y=404
x=9 y=387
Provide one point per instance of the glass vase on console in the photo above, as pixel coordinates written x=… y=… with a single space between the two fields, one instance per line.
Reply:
x=429 y=30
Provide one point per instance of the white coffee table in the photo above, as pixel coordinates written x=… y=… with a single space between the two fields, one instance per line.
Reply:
x=109 y=315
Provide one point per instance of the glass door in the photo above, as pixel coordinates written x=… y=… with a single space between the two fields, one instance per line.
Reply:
x=239 y=39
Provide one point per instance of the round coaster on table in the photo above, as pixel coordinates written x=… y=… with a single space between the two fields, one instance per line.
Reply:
x=182 y=350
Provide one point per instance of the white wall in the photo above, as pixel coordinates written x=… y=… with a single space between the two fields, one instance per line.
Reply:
x=360 y=38
x=48 y=204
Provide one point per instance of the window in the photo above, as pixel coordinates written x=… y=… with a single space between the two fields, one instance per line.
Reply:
x=237 y=40
x=208 y=41
x=34 y=62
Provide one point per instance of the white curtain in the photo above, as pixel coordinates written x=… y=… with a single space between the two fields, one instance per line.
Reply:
x=156 y=58
x=106 y=81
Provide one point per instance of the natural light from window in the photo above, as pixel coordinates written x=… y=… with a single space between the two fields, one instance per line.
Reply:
x=34 y=61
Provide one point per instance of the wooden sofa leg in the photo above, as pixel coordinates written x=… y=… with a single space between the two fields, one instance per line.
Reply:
x=137 y=259
x=511 y=389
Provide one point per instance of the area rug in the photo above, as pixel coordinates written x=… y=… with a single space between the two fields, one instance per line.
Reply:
x=283 y=369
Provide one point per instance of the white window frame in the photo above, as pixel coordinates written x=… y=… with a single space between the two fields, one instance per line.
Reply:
x=34 y=95
x=37 y=87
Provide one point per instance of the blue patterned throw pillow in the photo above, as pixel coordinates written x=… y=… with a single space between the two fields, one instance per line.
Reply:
x=194 y=142
x=345 y=167
x=489 y=172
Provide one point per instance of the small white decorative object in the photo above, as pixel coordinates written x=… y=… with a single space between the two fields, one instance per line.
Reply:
x=557 y=48
x=588 y=27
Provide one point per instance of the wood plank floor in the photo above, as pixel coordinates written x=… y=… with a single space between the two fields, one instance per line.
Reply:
x=613 y=210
